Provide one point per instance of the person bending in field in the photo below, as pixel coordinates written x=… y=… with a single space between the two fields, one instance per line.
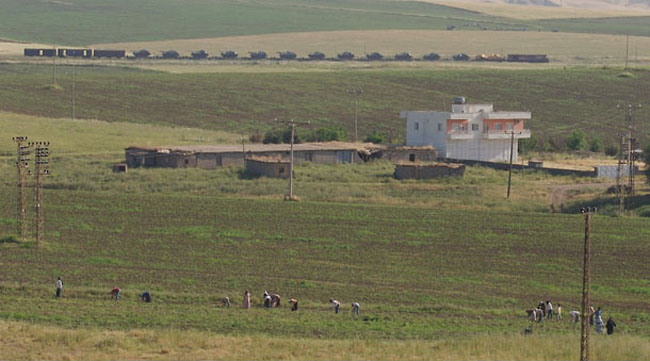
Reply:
x=575 y=316
x=225 y=301
x=145 y=297
x=294 y=304
x=542 y=306
x=336 y=304
x=267 y=300
x=355 y=308
x=275 y=300
x=59 y=287
x=115 y=293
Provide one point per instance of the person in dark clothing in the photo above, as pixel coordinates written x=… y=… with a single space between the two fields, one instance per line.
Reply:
x=267 y=300
x=610 y=326
x=294 y=304
x=542 y=306
x=145 y=296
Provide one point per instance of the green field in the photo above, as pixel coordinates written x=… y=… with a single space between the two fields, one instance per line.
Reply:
x=559 y=99
x=445 y=264
x=82 y=22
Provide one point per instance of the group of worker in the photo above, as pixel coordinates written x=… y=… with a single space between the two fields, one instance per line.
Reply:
x=545 y=310
x=273 y=301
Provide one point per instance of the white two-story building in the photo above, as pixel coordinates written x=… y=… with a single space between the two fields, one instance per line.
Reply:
x=469 y=131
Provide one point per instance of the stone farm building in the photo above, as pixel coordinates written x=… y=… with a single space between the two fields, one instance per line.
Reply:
x=468 y=132
x=214 y=156
x=267 y=167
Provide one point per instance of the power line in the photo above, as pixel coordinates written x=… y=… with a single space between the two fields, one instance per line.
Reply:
x=22 y=163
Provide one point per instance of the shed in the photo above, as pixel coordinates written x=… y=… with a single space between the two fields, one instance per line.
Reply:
x=428 y=170
x=267 y=167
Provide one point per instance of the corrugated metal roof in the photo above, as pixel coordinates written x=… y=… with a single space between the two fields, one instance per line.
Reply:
x=257 y=148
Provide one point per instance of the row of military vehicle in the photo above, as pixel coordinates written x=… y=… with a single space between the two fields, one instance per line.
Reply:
x=260 y=55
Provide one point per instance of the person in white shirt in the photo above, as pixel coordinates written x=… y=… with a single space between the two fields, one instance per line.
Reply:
x=336 y=304
x=549 y=310
x=355 y=308
x=59 y=287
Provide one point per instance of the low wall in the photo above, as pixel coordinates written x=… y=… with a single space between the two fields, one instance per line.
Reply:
x=505 y=166
x=428 y=170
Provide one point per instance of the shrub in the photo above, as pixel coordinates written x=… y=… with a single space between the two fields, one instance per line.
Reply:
x=596 y=145
x=377 y=138
x=528 y=145
x=328 y=134
x=8 y=239
x=577 y=140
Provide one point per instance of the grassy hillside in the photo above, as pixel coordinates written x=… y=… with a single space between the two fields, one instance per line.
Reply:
x=95 y=21
x=560 y=99
x=81 y=22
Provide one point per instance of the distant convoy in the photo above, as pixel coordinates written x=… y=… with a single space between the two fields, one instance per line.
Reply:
x=283 y=55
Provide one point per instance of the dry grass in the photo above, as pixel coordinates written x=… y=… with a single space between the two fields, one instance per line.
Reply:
x=561 y=47
x=529 y=12
x=23 y=341
x=9 y=48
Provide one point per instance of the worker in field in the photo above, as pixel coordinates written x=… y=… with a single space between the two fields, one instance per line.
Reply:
x=145 y=297
x=355 y=308
x=549 y=310
x=610 y=326
x=575 y=315
x=599 y=320
x=275 y=300
x=59 y=287
x=225 y=302
x=115 y=293
x=592 y=312
x=294 y=304
x=558 y=313
x=336 y=304
x=542 y=306
x=267 y=300
x=247 y=300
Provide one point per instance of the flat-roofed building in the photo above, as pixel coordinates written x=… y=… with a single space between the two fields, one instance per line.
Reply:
x=469 y=131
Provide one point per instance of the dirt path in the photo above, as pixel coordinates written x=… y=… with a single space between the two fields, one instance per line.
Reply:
x=558 y=194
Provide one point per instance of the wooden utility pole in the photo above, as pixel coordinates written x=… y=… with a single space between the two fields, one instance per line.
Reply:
x=586 y=277
x=512 y=145
x=22 y=163
x=293 y=125
x=355 y=92
x=627 y=51
x=41 y=165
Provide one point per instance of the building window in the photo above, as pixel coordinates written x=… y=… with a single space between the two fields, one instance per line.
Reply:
x=474 y=127
x=417 y=126
x=281 y=170
x=439 y=127
x=510 y=126
x=411 y=157
x=497 y=127
x=454 y=127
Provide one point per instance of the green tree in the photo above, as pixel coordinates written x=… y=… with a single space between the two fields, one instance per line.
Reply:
x=596 y=145
x=577 y=140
